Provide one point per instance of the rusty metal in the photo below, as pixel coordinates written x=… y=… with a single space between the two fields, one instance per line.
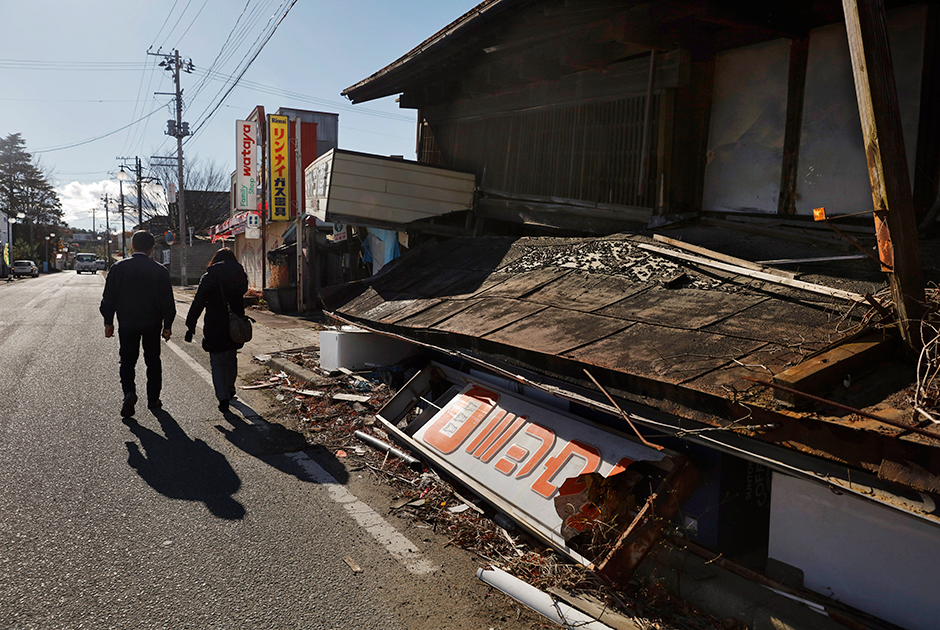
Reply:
x=831 y=403
x=618 y=565
x=622 y=414
x=855 y=244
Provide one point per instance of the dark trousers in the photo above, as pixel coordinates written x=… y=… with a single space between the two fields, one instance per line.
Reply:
x=131 y=340
x=224 y=371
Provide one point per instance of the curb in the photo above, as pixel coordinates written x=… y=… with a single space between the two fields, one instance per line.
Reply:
x=297 y=371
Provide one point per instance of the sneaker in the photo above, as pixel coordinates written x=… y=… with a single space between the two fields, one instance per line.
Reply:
x=153 y=406
x=127 y=409
x=223 y=406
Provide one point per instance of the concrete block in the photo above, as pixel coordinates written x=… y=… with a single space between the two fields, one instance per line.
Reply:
x=353 y=350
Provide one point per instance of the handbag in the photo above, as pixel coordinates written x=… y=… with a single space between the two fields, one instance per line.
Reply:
x=239 y=326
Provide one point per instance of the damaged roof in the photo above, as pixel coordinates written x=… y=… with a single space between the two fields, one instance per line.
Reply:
x=675 y=337
x=625 y=28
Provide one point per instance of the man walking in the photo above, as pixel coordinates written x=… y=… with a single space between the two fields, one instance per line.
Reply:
x=138 y=290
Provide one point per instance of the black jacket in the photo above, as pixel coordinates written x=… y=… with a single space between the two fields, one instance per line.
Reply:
x=138 y=290
x=226 y=277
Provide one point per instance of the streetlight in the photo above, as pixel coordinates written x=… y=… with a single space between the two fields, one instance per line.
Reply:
x=8 y=260
x=46 y=270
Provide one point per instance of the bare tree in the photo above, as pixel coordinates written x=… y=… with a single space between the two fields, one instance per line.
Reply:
x=206 y=194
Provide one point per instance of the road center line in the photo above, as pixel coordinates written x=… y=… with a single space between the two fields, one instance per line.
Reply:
x=394 y=542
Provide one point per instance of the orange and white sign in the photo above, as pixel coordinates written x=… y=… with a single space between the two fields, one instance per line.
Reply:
x=523 y=452
x=279 y=167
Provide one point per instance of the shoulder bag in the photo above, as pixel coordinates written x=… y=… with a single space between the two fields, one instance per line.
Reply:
x=239 y=326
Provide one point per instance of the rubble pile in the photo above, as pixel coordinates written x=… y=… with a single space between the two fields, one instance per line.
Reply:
x=329 y=411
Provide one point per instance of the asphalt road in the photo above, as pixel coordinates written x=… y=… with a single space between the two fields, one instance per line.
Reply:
x=178 y=520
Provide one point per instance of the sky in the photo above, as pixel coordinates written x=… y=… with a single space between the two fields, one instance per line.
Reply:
x=79 y=86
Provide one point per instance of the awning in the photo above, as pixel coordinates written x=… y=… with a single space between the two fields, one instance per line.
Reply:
x=230 y=227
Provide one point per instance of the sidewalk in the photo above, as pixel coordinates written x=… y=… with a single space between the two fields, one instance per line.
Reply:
x=271 y=332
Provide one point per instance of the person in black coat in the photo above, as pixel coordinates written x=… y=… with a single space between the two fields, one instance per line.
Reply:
x=138 y=291
x=221 y=288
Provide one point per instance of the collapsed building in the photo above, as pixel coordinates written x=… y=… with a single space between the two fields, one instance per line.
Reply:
x=647 y=176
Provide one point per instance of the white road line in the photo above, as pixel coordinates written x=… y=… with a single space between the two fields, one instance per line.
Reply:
x=394 y=542
x=191 y=362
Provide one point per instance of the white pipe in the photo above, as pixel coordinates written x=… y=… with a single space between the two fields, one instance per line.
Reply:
x=379 y=444
x=540 y=601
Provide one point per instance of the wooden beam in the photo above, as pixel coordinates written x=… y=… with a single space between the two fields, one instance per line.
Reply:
x=767 y=277
x=796 y=87
x=832 y=367
x=877 y=97
x=747 y=264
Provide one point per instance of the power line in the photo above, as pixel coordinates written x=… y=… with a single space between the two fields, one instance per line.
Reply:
x=92 y=66
x=196 y=17
x=201 y=123
x=164 y=24
x=96 y=138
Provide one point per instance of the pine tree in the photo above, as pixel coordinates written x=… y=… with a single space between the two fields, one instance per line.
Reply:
x=24 y=186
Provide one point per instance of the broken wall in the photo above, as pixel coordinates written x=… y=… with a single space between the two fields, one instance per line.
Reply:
x=833 y=172
x=748 y=121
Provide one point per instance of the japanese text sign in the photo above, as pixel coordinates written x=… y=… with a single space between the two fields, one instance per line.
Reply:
x=522 y=451
x=279 y=167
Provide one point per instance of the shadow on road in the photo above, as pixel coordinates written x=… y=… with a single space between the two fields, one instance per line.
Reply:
x=269 y=441
x=181 y=468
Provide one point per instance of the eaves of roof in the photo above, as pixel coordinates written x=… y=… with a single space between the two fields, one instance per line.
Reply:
x=386 y=81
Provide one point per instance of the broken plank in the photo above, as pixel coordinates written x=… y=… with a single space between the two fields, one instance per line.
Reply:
x=724 y=257
x=759 y=275
x=595 y=608
x=829 y=368
x=796 y=261
x=349 y=372
x=351 y=397
x=304 y=392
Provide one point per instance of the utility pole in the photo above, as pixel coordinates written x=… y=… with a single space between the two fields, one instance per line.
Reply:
x=107 y=227
x=301 y=272
x=123 y=231
x=180 y=130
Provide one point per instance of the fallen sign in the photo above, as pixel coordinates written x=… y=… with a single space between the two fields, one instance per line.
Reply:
x=571 y=483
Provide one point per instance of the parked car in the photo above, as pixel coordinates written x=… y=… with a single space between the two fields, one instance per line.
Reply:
x=86 y=262
x=100 y=264
x=25 y=268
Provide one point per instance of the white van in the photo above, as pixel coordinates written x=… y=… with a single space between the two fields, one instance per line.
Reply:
x=86 y=262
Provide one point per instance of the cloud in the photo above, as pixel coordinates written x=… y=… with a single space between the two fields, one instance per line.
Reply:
x=80 y=200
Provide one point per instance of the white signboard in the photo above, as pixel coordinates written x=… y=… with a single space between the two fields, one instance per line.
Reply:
x=316 y=187
x=522 y=452
x=253 y=226
x=246 y=170
x=339 y=232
